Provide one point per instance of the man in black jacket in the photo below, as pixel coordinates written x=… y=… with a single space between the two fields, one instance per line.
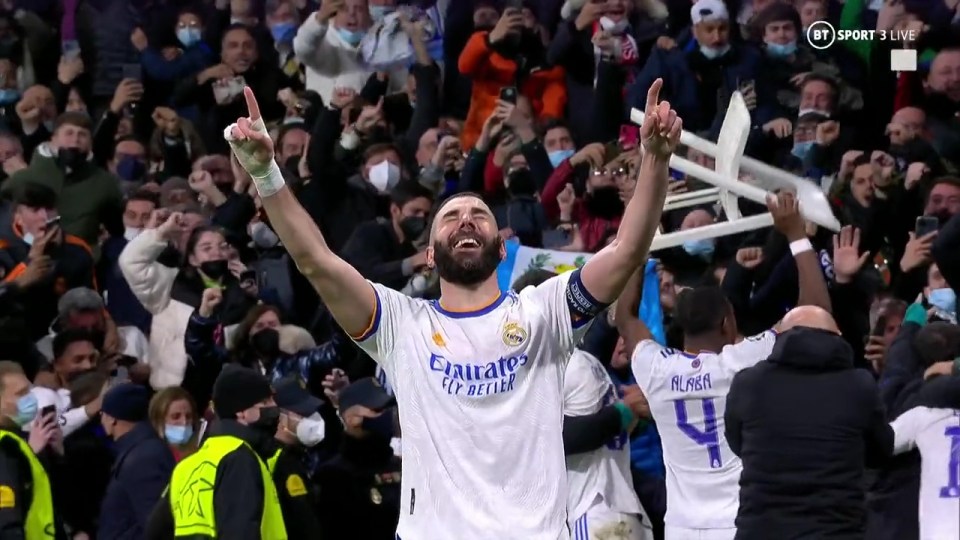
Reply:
x=382 y=250
x=805 y=422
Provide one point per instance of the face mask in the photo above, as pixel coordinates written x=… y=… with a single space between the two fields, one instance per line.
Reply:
x=615 y=28
x=413 y=227
x=311 y=430
x=800 y=150
x=378 y=13
x=129 y=233
x=8 y=96
x=26 y=410
x=266 y=343
x=214 y=269
x=350 y=37
x=269 y=419
x=188 y=36
x=699 y=248
x=559 y=156
x=945 y=299
x=263 y=236
x=712 y=53
x=781 y=50
x=28 y=239
x=292 y=120
x=521 y=182
x=177 y=434
x=384 y=176
x=131 y=169
x=804 y=112
x=70 y=158
x=380 y=427
x=283 y=32
x=604 y=202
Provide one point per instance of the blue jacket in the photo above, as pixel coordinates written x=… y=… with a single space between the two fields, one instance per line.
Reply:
x=646 y=452
x=680 y=86
x=141 y=470
x=122 y=304
x=194 y=59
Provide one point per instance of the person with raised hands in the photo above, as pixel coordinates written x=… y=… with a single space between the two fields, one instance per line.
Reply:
x=478 y=374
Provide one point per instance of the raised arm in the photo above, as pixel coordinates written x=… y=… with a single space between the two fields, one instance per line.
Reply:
x=350 y=298
x=627 y=314
x=607 y=272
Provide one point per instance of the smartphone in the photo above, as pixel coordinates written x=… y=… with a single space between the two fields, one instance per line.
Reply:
x=509 y=94
x=132 y=71
x=880 y=328
x=926 y=225
x=125 y=360
x=629 y=136
x=248 y=275
x=515 y=4
x=52 y=222
x=48 y=410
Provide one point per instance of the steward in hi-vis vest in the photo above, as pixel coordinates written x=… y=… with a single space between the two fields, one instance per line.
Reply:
x=225 y=489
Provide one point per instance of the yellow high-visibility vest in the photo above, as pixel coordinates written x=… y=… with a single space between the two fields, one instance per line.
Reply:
x=191 y=491
x=272 y=462
x=39 y=523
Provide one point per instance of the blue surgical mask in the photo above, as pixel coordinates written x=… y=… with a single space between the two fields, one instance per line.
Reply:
x=378 y=13
x=802 y=149
x=26 y=410
x=283 y=32
x=177 y=434
x=188 y=36
x=781 y=50
x=9 y=95
x=28 y=238
x=350 y=37
x=945 y=299
x=714 y=52
x=131 y=169
x=700 y=248
x=558 y=156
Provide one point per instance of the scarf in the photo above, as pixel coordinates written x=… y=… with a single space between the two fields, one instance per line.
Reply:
x=627 y=52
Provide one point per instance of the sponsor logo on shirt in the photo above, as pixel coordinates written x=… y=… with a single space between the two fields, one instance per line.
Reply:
x=477 y=380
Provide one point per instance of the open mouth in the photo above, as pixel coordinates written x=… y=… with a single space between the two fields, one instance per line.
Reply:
x=466 y=243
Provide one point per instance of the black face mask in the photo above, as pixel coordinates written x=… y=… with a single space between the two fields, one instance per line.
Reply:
x=943 y=216
x=604 y=202
x=467 y=270
x=226 y=188
x=521 y=182
x=266 y=343
x=413 y=227
x=70 y=158
x=381 y=427
x=74 y=375
x=268 y=421
x=214 y=269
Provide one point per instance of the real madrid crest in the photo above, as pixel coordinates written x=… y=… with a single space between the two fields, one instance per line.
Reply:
x=375 y=496
x=513 y=335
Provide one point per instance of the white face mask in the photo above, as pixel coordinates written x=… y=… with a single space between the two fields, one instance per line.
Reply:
x=384 y=176
x=615 y=28
x=803 y=112
x=130 y=233
x=311 y=430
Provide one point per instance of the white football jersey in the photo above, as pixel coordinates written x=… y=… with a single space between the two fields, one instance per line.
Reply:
x=481 y=411
x=604 y=472
x=936 y=433
x=688 y=396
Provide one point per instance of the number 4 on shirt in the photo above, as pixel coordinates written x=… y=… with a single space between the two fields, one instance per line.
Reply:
x=708 y=436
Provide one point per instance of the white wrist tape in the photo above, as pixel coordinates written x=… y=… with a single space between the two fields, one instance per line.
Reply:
x=800 y=246
x=266 y=174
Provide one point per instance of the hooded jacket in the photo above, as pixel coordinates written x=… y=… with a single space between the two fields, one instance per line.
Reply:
x=806 y=423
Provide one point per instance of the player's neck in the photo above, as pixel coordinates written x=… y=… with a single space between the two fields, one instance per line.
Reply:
x=454 y=297
x=699 y=344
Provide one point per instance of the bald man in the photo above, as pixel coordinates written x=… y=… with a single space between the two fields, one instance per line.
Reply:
x=806 y=424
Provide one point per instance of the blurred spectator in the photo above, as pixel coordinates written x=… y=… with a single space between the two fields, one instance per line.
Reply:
x=174 y=417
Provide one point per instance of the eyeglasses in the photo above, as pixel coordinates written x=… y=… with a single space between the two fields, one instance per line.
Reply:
x=618 y=171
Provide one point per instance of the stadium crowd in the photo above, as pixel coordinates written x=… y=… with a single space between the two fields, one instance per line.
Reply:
x=162 y=355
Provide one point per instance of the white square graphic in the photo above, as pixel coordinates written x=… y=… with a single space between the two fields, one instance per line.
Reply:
x=903 y=60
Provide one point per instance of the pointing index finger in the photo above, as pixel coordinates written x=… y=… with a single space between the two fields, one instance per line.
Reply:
x=653 y=96
x=253 y=108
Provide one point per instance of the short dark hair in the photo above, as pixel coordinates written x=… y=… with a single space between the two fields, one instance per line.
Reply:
x=554 y=123
x=408 y=190
x=143 y=195
x=825 y=79
x=237 y=26
x=379 y=148
x=34 y=195
x=701 y=310
x=77 y=119
x=937 y=342
x=191 y=10
x=70 y=336
x=532 y=278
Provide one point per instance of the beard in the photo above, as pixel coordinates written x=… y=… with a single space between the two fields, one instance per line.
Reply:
x=467 y=269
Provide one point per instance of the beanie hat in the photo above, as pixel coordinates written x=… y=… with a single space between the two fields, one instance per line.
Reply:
x=237 y=389
x=127 y=402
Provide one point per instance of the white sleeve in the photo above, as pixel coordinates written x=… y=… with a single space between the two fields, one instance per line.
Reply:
x=749 y=352
x=566 y=305
x=582 y=391
x=309 y=45
x=906 y=428
x=391 y=310
x=73 y=420
x=645 y=359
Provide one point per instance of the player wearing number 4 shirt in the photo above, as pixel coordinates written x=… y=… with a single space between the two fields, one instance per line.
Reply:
x=687 y=389
x=478 y=374
x=933 y=427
